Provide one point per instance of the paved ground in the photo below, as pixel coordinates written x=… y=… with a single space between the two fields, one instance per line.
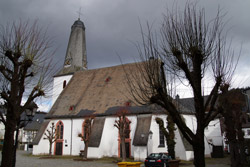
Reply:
x=24 y=160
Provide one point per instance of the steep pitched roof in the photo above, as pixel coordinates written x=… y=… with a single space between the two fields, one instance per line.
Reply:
x=96 y=92
x=36 y=122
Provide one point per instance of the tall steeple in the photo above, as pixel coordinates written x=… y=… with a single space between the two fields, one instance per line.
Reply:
x=76 y=56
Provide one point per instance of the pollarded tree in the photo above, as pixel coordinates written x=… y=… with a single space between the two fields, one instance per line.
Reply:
x=85 y=135
x=232 y=106
x=122 y=124
x=51 y=135
x=191 y=50
x=25 y=72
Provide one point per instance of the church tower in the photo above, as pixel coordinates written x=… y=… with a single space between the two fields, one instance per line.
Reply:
x=75 y=59
x=76 y=56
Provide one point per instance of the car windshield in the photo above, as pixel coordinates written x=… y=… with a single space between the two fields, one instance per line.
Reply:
x=154 y=155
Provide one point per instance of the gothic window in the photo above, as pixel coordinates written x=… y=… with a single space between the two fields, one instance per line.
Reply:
x=127 y=129
x=161 y=138
x=64 y=83
x=59 y=129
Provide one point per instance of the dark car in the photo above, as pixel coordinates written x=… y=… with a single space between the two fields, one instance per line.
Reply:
x=157 y=160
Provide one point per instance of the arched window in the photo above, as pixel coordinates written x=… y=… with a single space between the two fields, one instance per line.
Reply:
x=127 y=129
x=64 y=84
x=59 y=129
x=161 y=138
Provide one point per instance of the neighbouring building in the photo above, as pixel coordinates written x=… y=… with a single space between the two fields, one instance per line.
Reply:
x=28 y=133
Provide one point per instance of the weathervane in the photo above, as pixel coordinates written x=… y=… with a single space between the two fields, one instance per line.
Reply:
x=79 y=13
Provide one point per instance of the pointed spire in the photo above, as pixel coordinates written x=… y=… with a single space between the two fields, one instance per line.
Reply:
x=76 y=56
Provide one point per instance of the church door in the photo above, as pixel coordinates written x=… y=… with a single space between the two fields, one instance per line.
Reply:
x=59 y=148
x=127 y=145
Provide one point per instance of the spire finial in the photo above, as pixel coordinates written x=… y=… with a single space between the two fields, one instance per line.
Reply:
x=79 y=13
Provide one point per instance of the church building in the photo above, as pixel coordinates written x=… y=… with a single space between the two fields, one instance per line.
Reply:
x=79 y=93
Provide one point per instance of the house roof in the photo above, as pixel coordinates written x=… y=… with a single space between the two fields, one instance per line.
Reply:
x=96 y=92
x=40 y=132
x=36 y=122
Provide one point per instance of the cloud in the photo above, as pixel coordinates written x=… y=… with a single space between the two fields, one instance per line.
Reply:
x=112 y=26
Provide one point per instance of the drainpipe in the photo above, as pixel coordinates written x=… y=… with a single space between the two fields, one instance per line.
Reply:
x=71 y=136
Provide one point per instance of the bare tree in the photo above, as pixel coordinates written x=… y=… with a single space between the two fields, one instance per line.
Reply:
x=86 y=134
x=189 y=49
x=232 y=104
x=25 y=72
x=51 y=135
x=122 y=124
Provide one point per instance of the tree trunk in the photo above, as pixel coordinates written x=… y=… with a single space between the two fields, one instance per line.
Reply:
x=85 y=156
x=171 y=137
x=123 y=149
x=234 y=154
x=243 y=158
x=50 y=147
x=199 y=150
x=8 y=149
x=15 y=146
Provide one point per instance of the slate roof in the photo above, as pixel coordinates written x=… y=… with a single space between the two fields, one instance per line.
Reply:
x=36 y=122
x=98 y=92
x=40 y=132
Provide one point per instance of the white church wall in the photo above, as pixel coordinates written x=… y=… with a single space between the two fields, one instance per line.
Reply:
x=58 y=86
x=140 y=153
x=77 y=143
x=109 y=141
x=43 y=145
x=155 y=136
x=72 y=144
x=179 y=147
x=213 y=133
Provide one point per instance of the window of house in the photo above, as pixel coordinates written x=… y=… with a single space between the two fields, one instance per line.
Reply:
x=248 y=132
x=64 y=84
x=161 y=138
x=59 y=129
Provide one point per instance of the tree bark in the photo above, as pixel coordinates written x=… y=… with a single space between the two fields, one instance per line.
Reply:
x=7 y=152
x=171 y=137
x=15 y=146
x=199 y=150
x=123 y=149
x=86 y=150
x=234 y=154
x=50 y=147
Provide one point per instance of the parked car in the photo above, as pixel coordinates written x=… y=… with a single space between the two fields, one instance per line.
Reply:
x=157 y=160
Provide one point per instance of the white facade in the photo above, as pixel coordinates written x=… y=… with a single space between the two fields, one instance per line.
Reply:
x=109 y=144
x=58 y=84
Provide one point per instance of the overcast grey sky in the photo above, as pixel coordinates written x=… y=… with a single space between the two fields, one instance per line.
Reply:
x=113 y=25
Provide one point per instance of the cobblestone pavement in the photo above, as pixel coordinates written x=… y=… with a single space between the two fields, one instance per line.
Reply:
x=24 y=160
